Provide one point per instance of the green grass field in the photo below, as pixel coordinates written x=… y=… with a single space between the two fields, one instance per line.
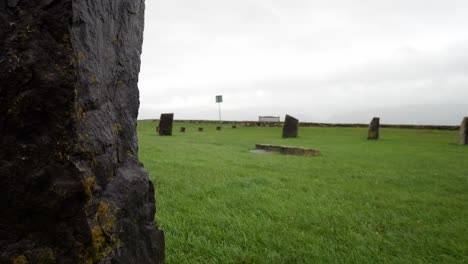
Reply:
x=403 y=199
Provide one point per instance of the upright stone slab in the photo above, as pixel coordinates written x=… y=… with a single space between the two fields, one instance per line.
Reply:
x=165 y=124
x=290 y=128
x=182 y=129
x=71 y=187
x=464 y=132
x=374 y=129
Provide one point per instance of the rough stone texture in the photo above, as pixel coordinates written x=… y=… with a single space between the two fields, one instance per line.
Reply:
x=464 y=132
x=165 y=124
x=374 y=129
x=290 y=128
x=182 y=129
x=288 y=150
x=71 y=187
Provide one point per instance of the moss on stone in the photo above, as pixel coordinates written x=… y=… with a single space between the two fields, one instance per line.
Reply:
x=80 y=56
x=80 y=113
x=117 y=128
x=20 y=260
x=89 y=185
x=93 y=79
x=43 y=256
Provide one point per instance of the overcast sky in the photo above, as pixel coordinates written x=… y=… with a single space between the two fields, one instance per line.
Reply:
x=319 y=60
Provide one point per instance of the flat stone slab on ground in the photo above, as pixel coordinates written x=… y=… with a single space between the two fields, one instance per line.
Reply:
x=288 y=150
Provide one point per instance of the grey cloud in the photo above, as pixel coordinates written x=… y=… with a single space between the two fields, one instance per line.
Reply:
x=327 y=59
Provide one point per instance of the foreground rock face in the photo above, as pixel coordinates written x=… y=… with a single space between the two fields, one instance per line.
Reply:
x=71 y=187
x=165 y=125
x=464 y=132
x=290 y=128
x=374 y=129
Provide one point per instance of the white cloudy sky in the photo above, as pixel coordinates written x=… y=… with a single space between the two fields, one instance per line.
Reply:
x=319 y=60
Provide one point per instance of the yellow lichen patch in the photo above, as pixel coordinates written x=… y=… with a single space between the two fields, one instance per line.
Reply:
x=93 y=79
x=117 y=128
x=80 y=113
x=66 y=38
x=103 y=210
x=89 y=185
x=98 y=240
x=103 y=240
x=80 y=56
x=131 y=153
x=20 y=260
x=105 y=218
x=86 y=261
x=109 y=224
x=44 y=256
x=119 y=83
x=30 y=29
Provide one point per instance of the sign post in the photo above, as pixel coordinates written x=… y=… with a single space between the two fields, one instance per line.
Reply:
x=219 y=100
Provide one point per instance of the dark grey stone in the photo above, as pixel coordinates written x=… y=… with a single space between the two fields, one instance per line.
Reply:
x=182 y=129
x=71 y=187
x=12 y=3
x=291 y=127
x=165 y=124
x=464 y=132
x=374 y=129
x=218 y=128
x=200 y=129
x=234 y=126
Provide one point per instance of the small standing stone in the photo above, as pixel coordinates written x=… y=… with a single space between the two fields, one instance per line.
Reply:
x=165 y=124
x=218 y=128
x=290 y=128
x=234 y=126
x=182 y=130
x=200 y=129
x=464 y=132
x=374 y=128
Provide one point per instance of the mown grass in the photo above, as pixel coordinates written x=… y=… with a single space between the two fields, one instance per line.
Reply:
x=403 y=199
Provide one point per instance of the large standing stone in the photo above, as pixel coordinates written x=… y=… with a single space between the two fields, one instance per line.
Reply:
x=290 y=128
x=165 y=124
x=71 y=187
x=464 y=132
x=374 y=129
